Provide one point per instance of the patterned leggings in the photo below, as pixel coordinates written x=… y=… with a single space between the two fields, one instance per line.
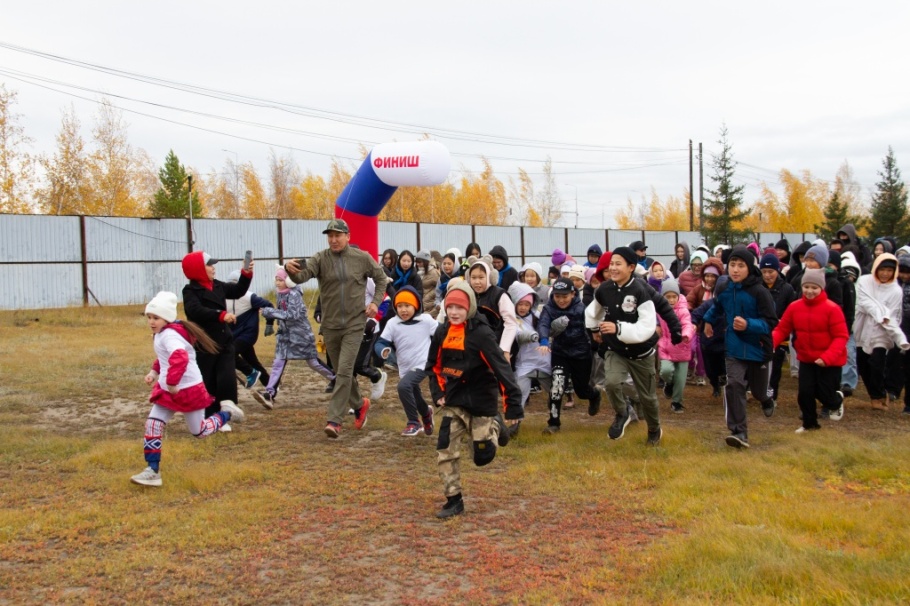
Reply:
x=196 y=423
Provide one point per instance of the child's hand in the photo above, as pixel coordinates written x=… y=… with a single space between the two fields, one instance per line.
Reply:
x=172 y=389
x=608 y=328
x=543 y=349
x=230 y=319
x=441 y=401
x=709 y=330
x=150 y=378
x=820 y=362
x=739 y=323
x=384 y=353
x=658 y=330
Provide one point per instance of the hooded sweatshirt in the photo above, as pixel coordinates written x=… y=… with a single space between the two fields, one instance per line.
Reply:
x=677 y=267
x=496 y=306
x=865 y=255
x=468 y=369
x=205 y=301
x=508 y=274
x=595 y=250
x=876 y=301
x=528 y=358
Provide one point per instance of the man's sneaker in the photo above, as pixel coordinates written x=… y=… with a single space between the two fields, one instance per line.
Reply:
x=837 y=415
x=722 y=380
x=237 y=414
x=148 y=477
x=330 y=387
x=655 y=436
x=453 y=507
x=332 y=430
x=738 y=440
x=535 y=388
x=252 y=378
x=378 y=388
x=503 y=439
x=618 y=428
x=846 y=390
x=412 y=430
x=428 y=424
x=226 y=428
x=265 y=398
x=594 y=404
x=700 y=381
x=360 y=415
x=802 y=429
x=549 y=430
x=630 y=410
x=668 y=390
x=677 y=407
x=768 y=407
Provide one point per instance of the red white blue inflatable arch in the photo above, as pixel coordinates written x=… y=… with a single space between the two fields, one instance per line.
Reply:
x=387 y=167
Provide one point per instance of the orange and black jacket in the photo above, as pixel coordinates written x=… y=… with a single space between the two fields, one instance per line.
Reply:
x=467 y=366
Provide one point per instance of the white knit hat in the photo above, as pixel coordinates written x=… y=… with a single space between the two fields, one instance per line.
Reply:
x=164 y=305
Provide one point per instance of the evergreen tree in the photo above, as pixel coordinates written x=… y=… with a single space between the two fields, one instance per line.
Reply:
x=889 y=203
x=172 y=198
x=722 y=222
x=836 y=215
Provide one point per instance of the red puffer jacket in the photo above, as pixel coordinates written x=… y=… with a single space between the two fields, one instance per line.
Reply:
x=820 y=327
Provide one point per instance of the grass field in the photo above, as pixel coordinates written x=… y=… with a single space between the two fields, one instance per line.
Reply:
x=275 y=513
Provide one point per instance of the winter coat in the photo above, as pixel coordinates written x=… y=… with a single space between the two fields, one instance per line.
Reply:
x=246 y=310
x=905 y=308
x=833 y=286
x=467 y=368
x=821 y=331
x=205 y=302
x=401 y=278
x=631 y=307
x=508 y=274
x=574 y=341
x=429 y=280
x=783 y=295
x=876 y=301
x=595 y=250
x=681 y=352
x=175 y=363
x=750 y=300
x=714 y=343
x=865 y=255
x=849 y=290
x=342 y=283
x=677 y=267
x=688 y=280
x=699 y=293
x=295 y=339
x=495 y=305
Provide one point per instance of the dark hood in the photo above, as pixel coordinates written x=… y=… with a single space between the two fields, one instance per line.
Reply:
x=414 y=292
x=500 y=253
x=850 y=230
x=686 y=253
x=594 y=248
x=194 y=269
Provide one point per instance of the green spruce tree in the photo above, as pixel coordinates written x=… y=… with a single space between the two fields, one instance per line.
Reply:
x=836 y=215
x=889 y=203
x=172 y=198
x=723 y=207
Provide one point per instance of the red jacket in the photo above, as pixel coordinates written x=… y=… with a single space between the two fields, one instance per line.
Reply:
x=820 y=327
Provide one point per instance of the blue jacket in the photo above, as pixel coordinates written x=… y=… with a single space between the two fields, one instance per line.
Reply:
x=246 y=328
x=751 y=300
x=574 y=342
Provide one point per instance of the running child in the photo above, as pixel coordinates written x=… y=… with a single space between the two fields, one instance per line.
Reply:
x=177 y=384
x=674 y=358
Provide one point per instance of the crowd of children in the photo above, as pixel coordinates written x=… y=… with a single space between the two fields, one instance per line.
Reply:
x=488 y=335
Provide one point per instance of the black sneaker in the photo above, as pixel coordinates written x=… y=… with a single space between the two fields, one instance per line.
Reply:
x=550 y=430
x=845 y=389
x=668 y=390
x=513 y=430
x=768 y=407
x=655 y=436
x=738 y=440
x=677 y=407
x=716 y=392
x=453 y=507
x=594 y=404
x=722 y=379
x=330 y=387
x=618 y=428
x=504 y=434
x=825 y=413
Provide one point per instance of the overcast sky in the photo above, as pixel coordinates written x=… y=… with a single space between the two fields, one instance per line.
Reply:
x=611 y=92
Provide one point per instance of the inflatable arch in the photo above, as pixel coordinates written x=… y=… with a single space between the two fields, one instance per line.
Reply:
x=387 y=167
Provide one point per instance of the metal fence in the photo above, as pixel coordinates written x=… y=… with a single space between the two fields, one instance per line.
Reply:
x=51 y=261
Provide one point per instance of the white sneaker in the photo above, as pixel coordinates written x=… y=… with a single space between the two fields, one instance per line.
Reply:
x=800 y=429
x=700 y=381
x=378 y=388
x=837 y=415
x=148 y=477
x=237 y=414
x=226 y=428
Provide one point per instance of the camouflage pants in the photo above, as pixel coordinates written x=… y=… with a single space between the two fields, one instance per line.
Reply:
x=456 y=424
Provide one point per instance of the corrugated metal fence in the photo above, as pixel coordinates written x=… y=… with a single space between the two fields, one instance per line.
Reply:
x=50 y=261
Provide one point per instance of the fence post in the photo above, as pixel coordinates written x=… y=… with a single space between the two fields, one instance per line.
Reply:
x=473 y=235
x=566 y=240
x=84 y=256
x=522 y=233
x=607 y=234
x=189 y=235
x=280 y=242
x=417 y=227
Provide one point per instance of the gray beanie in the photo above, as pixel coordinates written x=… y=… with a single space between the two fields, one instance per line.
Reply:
x=669 y=285
x=815 y=276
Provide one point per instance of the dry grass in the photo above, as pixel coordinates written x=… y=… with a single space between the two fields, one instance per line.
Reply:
x=275 y=513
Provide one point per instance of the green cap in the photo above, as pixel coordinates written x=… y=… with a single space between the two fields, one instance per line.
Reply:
x=337 y=225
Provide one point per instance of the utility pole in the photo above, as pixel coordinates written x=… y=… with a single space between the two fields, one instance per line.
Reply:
x=189 y=181
x=691 y=187
x=701 y=188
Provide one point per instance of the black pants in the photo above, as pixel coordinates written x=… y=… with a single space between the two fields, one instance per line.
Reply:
x=247 y=361
x=817 y=383
x=872 y=370
x=364 y=366
x=780 y=354
x=565 y=368
x=219 y=376
x=715 y=366
x=905 y=367
x=894 y=373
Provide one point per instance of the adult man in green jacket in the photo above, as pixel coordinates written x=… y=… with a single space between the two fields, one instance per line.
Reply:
x=342 y=272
